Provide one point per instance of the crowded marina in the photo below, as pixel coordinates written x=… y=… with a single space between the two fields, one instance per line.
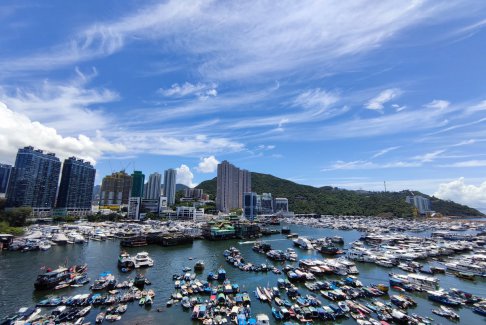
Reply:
x=400 y=273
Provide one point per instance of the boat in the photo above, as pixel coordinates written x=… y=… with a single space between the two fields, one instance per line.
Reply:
x=83 y=312
x=262 y=319
x=106 y=281
x=303 y=243
x=100 y=318
x=465 y=275
x=480 y=309
x=139 y=281
x=112 y=317
x=199 y=266
x=344 y=306
x=443 y=298
x=142 y=259
x=125 y=262
x=277 y=314
x=121 y=308
x=44 y=245
x=60 y=239
x=446 y=312
x=54 y=278
x=221 y=274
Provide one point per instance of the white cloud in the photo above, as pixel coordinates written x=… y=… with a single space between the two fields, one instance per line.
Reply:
x=316 y=99
x=398 y=108
x=377 y=103
x=185 y=176
x=438 y=104
x=207 y=165
x=467 y=164
x=234 y=40
x=363 y=164
x=265 y=147
x=384 y=151
x=176 y=143
x=429 y=157
x=200 y=90
x=65 y=106
x=17 y=130
x=458 y=191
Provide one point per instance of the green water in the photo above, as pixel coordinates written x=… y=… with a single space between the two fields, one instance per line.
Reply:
x=19 y=270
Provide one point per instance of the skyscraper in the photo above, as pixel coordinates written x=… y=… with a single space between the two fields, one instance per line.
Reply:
x=153 y=186
x=231 y=184
x=115 y=189
x=5 y=171
x=250 y=205
x=170 y=185
x=76 y=188
x=138 y=180
x=34 y=179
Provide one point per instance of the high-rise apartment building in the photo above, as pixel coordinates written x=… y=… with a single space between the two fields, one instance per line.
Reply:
x=76 y=188
x=421 y=203
x=153 y=187
x=193 y=193
x=170 y=185
x=281 y=204
x=232 y=183
x=115 y=189
x=34 y=179
x=265 y=203
x=250 y=205
x=5 y=171
x=138 y=181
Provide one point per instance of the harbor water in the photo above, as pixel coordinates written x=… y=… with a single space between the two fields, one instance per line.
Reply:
x=18 y=272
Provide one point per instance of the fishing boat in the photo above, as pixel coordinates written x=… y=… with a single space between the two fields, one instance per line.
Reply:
x=106 y=281
x=221 y=274
x=100 y=318
x=139 y=281
x=125 y=262
x=199 y=266
x=53 y=278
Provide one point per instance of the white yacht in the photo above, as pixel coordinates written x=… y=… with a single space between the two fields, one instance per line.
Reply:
x=60 y=238
x=361 y=255
x=303 y=243
x=418 y=280
x=349 y=266
x=142 y=259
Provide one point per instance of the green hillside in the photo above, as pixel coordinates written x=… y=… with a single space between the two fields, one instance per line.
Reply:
x=334 y=201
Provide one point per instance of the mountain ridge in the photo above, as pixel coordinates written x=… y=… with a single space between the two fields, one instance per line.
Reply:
x=336 y=201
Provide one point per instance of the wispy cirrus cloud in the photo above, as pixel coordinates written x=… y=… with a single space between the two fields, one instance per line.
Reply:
x=70 y=106
x=438 y=104
x=384 y=151
x=201 y=90
x=243 y=40
x=378 y=102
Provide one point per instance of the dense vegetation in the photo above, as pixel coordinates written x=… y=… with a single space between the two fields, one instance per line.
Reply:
x=335 y=201
x=12 y=221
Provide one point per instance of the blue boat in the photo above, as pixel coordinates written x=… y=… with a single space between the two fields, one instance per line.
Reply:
x=276 y=313
x=221 y=274
x=443 y=298
x=210 y=276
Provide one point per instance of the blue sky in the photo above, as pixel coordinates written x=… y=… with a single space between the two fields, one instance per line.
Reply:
x=339 y=93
